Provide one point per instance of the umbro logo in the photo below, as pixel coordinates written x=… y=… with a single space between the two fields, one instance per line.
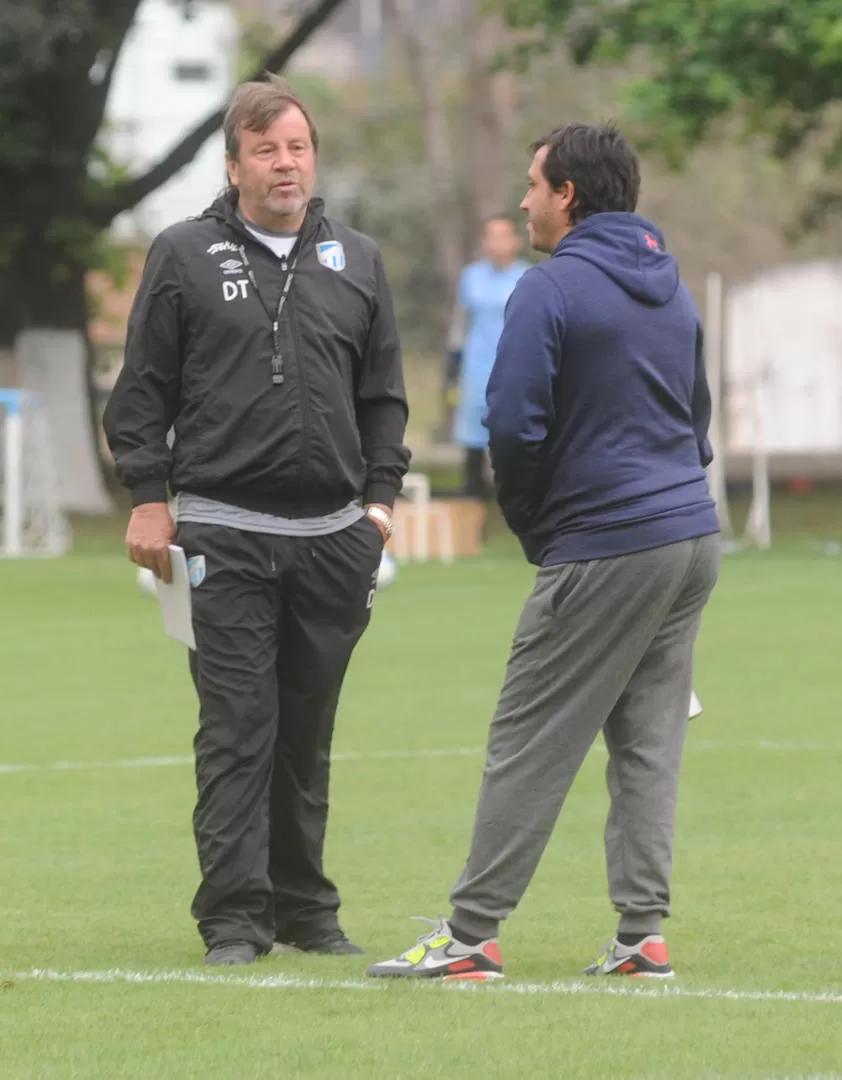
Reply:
x=231 y=266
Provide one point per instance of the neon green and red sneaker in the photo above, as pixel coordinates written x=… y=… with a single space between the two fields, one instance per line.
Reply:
x=438 y=955
x=648 y=959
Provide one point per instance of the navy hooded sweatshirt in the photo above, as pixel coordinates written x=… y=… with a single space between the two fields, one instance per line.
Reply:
x=598 y=405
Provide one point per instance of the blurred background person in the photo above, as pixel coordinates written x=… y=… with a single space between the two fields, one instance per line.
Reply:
x=484 y=288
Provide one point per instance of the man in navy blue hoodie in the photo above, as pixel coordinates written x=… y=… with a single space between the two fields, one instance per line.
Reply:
x=598 y=412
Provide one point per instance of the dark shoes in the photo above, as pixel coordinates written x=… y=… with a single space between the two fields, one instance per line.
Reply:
x=232 y=952
x=328 y=943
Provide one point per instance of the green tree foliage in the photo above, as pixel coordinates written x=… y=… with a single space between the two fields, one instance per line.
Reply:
x=777 y=64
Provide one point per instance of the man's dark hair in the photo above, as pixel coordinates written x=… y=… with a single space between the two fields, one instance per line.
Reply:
x=602 y=166
x=256 y=105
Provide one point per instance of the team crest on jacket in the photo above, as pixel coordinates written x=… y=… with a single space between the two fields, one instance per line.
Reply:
x=331 y=254
x=196 y=570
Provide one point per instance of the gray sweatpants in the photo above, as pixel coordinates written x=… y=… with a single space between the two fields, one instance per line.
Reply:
x=600 y=646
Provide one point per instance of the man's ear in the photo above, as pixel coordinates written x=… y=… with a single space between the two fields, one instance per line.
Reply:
x=567 y=195
x=233 y=170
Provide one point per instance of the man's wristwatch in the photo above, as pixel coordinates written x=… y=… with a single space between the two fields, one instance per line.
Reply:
x=382 y=519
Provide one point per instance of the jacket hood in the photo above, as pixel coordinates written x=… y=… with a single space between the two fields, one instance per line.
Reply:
x=630 y=250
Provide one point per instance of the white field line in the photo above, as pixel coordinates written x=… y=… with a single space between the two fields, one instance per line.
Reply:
x=166 y=762
x=76 y=766
x=291 y=982
x=399 y=755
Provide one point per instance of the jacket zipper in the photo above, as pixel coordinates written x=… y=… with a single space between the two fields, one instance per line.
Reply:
x=302 y=389
x=277 y=355
x=277 y=377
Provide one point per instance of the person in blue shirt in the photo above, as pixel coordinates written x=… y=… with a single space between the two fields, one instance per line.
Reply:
x=484 y=289
x=598 y=415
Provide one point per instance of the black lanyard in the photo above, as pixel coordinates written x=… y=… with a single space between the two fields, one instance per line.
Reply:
x=277 y=355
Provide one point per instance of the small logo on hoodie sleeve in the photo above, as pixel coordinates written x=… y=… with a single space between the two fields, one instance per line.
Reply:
x=651 y=242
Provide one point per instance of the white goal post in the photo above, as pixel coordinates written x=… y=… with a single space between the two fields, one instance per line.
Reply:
x=31 y=519
x=728 y=343
x=714 y=331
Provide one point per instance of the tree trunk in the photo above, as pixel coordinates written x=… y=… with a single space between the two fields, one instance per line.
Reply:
x=417 y=34
x=489 y=116
x=8 y=332
x=8 y=368
x=54 y=361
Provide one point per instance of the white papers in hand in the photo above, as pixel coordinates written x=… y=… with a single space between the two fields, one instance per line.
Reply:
x=176 y=601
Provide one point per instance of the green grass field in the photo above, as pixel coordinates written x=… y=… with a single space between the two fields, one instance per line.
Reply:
x=101 y=964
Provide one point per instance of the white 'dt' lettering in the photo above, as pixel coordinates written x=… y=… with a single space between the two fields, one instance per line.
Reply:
x=232 y=289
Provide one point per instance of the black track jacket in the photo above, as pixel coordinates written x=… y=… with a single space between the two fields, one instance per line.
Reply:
x=199 y=358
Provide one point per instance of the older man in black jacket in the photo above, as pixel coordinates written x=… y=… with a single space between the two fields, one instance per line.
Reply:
x=263 y=333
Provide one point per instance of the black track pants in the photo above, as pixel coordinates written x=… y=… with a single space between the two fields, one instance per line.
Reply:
x=276 y=620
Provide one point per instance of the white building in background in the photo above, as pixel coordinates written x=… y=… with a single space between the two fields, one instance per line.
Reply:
x=177 y=65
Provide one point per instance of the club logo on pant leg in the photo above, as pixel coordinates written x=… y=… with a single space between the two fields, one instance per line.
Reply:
x=196 y=570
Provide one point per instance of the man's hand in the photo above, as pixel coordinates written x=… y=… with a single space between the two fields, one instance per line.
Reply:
x=387 y=510
x=151 y=531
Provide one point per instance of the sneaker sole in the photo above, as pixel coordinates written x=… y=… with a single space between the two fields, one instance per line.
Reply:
x=629 y=974
x=434 y=976
x=474 y=976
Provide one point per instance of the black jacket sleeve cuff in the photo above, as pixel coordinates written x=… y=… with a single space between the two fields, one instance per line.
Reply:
x=152 y=491
x=380 y=492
